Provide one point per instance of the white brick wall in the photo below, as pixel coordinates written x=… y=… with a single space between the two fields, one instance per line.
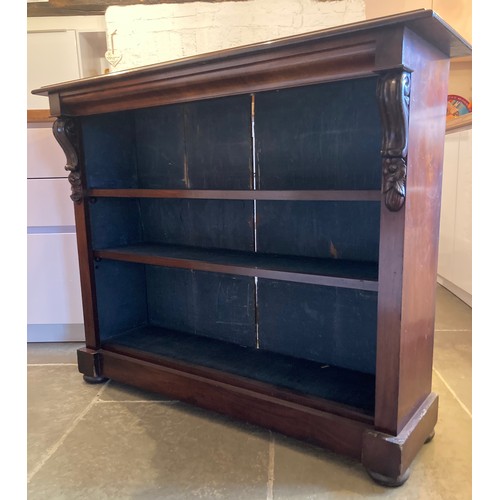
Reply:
x=148 y=34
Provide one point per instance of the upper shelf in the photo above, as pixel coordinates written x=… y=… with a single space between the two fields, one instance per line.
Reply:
x=348 y=51
x=250 y=194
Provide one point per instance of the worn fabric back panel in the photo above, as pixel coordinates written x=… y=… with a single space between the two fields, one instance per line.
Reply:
x=338 y=230
x=213 y=305
x=115 y=222
x=197 y=145
x=121 y=296
x=319 y=137
x=109 y=150
x=329 y=325
x=160 y=147
x=204 y=223
x=218 y=139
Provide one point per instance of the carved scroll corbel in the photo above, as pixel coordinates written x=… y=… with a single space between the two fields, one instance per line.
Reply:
x=393 y=94
x=64 y=130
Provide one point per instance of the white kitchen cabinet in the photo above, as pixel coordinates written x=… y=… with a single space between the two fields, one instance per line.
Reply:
x=54 y=307
x=57 y=50
x=53 y=285
x=62 y=55
x=52 y=57
x=45 y=158
x=455 y=242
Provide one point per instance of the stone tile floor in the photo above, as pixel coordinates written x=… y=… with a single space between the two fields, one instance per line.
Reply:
x=111 y=441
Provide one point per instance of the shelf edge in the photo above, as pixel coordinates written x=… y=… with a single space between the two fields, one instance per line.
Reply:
x=239 y=270
x=220 y=194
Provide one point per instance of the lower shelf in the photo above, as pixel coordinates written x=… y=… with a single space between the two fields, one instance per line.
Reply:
x=144 y=358
x=303 y=379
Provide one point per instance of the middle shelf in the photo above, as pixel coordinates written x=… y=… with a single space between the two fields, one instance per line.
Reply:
x=312 y=270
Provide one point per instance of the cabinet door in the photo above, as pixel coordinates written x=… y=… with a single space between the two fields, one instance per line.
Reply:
x=53 y=279
x=448 y=207
x=52 y=58
x=463 y=219
x=49 y=204
x=455 y=241
x=45 y=158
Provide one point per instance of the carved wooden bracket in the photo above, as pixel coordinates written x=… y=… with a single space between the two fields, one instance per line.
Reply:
x=64 y=130
x=393 y=94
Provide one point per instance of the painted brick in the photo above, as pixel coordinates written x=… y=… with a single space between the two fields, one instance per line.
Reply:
x=148 y=34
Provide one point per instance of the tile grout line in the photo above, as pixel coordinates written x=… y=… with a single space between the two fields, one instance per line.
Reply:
x=454 y=394
x=61 y=440
x=270 y=469
x=143 y=401
x=52 y=364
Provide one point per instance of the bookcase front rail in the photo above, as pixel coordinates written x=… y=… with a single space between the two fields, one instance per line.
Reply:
x=250 y=194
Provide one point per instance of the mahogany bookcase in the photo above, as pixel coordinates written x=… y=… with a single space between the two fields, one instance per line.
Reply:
x=258 y=229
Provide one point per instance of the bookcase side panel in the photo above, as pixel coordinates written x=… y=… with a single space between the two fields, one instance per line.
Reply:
x=425 y=166
x=408 y=248
x=68 y=132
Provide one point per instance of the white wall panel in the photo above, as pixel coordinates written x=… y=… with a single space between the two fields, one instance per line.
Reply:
x=58 y=49
x=148 y=34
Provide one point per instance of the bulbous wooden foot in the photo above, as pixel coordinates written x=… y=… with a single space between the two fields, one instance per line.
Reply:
x=94 y=380
x=430 y=437
x=391 y=482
